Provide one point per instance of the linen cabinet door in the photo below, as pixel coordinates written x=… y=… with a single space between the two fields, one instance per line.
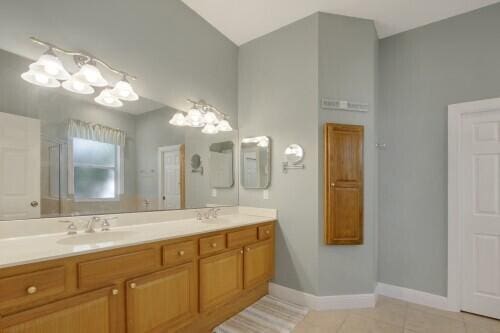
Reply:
x=94 y=312
x=221 y=278
x=258 y=263
x=161 y=300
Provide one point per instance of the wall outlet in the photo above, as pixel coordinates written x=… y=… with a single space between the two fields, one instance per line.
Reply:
x=265 y=194
x=214 y=192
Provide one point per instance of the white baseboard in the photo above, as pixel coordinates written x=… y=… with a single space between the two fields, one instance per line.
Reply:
x=413 y=296
x=322 y=302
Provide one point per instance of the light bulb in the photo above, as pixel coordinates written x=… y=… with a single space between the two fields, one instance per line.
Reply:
x=210 y=118
x=51 y=66
x=195 y=118
x=77 y=86
x=41 y=78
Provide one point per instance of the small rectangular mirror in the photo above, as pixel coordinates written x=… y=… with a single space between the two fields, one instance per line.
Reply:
x=221 y=164
x=256 y=162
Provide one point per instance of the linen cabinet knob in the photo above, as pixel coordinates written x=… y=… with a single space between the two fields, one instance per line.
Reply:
x=31 y=290
x=133 y=285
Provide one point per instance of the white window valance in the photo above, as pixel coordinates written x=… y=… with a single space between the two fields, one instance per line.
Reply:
x=95 y=132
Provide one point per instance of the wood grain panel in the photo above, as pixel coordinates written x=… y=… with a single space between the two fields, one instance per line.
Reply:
x=161 y=299
x=242 y=237
x=258 y=263
x=179 y=253
x=29 y=287
x=101 y=271
x=221 y=278
x=213 y=244
x=343 y=184
x=266 y=232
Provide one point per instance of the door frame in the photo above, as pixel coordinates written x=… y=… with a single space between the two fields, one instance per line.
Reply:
x=455 y=222
x=182 y=173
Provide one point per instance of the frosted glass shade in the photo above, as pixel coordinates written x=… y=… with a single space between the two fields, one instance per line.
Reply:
x=195 y=118
x=107 y=99
x=210 y=118
x=40 y=79
x=209 y=129
x=224 y=126
x=178 y=119
x=91 y=75
x=51 y=66
x=78 y=87
x=124 y=91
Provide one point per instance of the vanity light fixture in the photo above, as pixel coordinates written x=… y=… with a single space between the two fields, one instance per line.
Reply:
x=203 y=115
x=49 y=71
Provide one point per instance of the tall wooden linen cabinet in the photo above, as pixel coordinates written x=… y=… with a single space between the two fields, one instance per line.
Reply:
x=343 y=184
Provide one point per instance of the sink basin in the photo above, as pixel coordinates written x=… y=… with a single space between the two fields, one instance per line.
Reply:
x=98 y=237
x=219 y=220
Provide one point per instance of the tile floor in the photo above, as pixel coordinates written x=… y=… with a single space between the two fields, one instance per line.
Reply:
x=394 y=316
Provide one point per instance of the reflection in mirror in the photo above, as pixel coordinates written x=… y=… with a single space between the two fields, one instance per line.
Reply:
x=255 y=162
x=221 y=164
x=294 y=154
x=64 y=154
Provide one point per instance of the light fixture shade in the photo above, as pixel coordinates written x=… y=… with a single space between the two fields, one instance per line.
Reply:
x=178 y=119
x=124 y=91
x=210 y=118
x=40 y=79
x=51 y=66
x=107 y=99
x=209 y=129
x=77 y=86
x=195 y=118
x=91 y=75
x=224 y=126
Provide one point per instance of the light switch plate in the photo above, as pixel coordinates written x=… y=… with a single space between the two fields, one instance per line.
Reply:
x=214 y=192
x=265 y=194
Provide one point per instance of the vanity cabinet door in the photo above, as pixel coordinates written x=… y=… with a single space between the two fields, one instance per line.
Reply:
x=221 y=278
x=259 y=263
x=161 y=300
x=94 y=312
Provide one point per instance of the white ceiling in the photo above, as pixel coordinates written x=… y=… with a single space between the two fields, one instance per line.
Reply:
x=244 y=20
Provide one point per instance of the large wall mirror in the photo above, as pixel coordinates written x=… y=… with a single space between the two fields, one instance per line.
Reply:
x=62 y=154
x=255 y=162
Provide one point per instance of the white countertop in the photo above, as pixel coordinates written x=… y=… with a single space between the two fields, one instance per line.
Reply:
x=35 y=248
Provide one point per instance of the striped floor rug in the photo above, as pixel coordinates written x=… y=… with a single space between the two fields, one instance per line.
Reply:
x=267 y=315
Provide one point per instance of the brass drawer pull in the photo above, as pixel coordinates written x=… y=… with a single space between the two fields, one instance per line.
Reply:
x=268 y=232
x=133 y=285
x=114 y=292
x=181 y=253
x=248 y=249
x=214 y=245
x=31 y=290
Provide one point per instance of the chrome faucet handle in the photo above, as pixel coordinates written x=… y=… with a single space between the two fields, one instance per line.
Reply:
x=199 y=216
x=207 y=214
x=215 y=212
x=91 y=223
x=72 y=229
x=105 y=226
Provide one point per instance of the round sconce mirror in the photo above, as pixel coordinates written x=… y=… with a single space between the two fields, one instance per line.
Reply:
x=294 y=154
x=195 y=161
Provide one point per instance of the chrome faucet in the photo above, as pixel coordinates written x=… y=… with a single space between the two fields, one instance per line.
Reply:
x=91 y=223
x=214 y=212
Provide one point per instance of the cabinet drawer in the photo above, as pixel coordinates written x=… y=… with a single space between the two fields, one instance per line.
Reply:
x=178 y=253
x=242 y=237
x=265 y=232
x=28 y=287
x=212 y=244
x=104 y=271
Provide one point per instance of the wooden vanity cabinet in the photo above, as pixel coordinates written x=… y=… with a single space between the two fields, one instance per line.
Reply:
x=189 y=284
x=94 y=312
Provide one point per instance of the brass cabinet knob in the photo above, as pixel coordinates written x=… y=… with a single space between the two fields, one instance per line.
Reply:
x=114 y=292
x=31 y=290
x=332 y=184
x=214 y=245
x=181 y=253
x=248 y=249
x=133 y=285
x=268 y=232
x=241 y=251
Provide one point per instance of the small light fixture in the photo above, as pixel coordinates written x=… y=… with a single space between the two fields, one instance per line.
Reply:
x=51 y=66
x=77 y=86
x=178 y=119
x=90 y=75
x=223 y=126
x=195 y=118
x=107 y=99
x=124 y=91
x=210 y=118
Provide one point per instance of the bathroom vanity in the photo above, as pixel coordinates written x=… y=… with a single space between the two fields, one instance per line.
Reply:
x=174 y=276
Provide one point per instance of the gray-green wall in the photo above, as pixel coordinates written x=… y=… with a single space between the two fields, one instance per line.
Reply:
x=421 y=72
x=282 y=77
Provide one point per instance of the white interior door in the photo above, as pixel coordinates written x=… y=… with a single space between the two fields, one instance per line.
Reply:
x=480 y=164
x=19 y=167
x=171 y=178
